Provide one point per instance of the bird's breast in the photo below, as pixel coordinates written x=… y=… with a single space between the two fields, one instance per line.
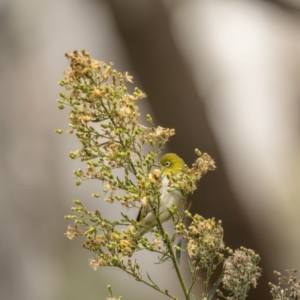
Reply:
x=169 y=196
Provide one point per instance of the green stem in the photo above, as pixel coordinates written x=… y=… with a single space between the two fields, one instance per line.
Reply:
x=149 y=284
x=194 y=277
x=174 y=260
x=208 y=275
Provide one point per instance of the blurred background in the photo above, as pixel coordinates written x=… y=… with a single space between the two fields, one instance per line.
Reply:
x=224 y=74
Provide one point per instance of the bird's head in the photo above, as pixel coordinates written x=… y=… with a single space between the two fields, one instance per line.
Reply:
x=171 y=162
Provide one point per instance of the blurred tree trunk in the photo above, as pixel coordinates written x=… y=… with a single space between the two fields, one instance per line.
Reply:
x=289 y=6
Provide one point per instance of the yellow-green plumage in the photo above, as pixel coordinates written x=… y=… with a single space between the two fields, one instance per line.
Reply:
x=170 y=162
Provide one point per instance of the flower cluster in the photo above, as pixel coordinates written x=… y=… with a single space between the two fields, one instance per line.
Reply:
x=241 y=272
x=205 y=247
x=205 y=240
x=110 y=245
x=288 y=287
x=104 y=118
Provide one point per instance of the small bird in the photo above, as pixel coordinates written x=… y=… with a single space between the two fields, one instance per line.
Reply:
x=169 y=163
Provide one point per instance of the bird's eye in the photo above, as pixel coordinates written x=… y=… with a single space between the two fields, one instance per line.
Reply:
x=167 y=164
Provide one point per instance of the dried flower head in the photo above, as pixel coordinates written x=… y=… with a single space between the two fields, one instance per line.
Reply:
x=288 y=287
x=241 y=272
x=205 y=240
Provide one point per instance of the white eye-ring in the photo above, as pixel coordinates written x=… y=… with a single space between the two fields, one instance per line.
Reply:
x=167 y=164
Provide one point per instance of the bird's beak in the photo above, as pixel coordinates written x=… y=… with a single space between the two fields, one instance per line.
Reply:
x=157 y=165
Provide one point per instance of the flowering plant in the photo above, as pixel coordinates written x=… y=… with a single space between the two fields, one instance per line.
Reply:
x=120 y=152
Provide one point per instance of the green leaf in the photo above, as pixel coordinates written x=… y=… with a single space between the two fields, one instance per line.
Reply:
x=194 y=296
x=215 y=287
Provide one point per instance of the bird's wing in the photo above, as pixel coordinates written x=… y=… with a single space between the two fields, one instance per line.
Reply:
x=144 y=210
